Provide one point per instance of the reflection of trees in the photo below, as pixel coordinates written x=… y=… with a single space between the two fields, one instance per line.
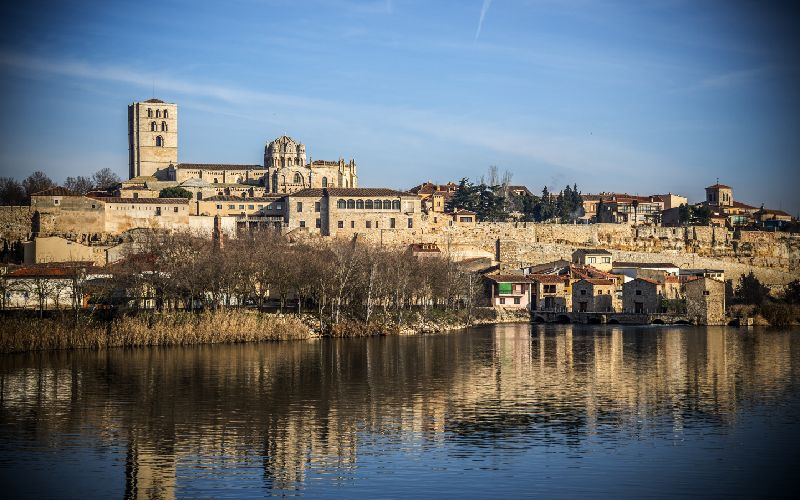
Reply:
x=299 y=406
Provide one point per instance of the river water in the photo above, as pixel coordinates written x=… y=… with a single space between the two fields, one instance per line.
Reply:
x=501 y=411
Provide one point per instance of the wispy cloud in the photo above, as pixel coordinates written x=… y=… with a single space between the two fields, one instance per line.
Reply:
x=571 y=152
x=484 y=10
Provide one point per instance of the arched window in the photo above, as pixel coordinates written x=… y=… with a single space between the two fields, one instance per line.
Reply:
x=395 y=204
x=378 y=204
x=152 y=126
x=368 y=204
x=149 y=113
x=298 y=179
x=324 y=182
x=351 y=204
x=244 y=195
x=360 y=204
x=158 y=113
x=159 y=141
x=387 y=205
x=163 y=126
x=341 y=204
x=166 y=115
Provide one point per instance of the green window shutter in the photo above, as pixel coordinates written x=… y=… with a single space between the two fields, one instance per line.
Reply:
x=504 y=287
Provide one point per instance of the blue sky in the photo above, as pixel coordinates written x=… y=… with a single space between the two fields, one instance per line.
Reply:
x=644 y=97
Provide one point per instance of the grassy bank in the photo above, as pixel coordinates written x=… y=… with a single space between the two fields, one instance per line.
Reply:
x=19 y=334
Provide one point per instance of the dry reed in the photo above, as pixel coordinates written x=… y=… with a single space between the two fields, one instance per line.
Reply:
x=33 y=334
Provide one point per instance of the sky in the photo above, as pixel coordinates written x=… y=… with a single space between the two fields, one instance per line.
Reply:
x=643 y=97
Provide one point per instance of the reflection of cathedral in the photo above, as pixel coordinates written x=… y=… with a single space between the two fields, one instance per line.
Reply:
x=288 y=172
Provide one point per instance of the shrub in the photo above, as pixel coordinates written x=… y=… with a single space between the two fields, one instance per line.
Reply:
x=777 y=314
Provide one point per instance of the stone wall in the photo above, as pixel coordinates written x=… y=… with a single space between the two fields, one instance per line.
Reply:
x=15 y=223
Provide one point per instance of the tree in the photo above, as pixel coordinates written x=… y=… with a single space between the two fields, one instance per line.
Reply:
x=11 y=192
x=792 y=292
x=37 y=181
x=80 y=184
x=750 y=290
x=465 y=197
x=105 y=178
x=175 y=192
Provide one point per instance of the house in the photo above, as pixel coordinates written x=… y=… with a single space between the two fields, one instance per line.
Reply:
x=688 y=274
x=46 y=287
x=594 y=295
x=597 y=258
x=464 y=217
x=424 y=250
x=705 y=301
x=766 y=214
x=633 y=270
x=629 y=209
x=549 y=293
x=641 y=296
x=519 y=191
x=513 y=291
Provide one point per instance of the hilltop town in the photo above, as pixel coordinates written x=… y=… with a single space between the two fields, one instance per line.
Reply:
x=554 y=253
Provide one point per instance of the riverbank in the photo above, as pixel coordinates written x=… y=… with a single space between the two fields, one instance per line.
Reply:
x=23 y=333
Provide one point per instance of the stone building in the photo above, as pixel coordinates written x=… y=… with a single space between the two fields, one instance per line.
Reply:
x=549 y=293
x=333 y=211
x=287 y=171
x=594 y=295
x=705 y=301
x=642 y=296
x=152 y=137
x=594 y=257
x=719 y=195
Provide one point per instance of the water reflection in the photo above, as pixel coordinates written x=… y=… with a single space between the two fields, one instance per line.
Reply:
x=277 y=417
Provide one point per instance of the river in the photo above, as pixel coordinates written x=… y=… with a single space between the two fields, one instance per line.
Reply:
x=498 y=411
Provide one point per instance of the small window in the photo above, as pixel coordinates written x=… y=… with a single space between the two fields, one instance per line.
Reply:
x=638 y=292
x=158 y=113
x=340 y=224
x=318 y=223
x=410 y=222
x=592 y=260
x=606 y=260
x=56 y=202
x=706 y=292
x=232 y=207
x=166 y=114
x=219 y=207
x=163 y=126
x=324 y=182
x=152 y=126
x=302 y=223
x=369 y=224
x=298 y=179
x=392 y=223
x=368 y=205
x=387 y=205
x=149 y=113
x=360 y=204
x=278 y=206
x=299 y=206
x=260 y=207
x=516 y=300
x=241 y=207
x=351 y=204
x=341 y=204
x=395 y=204
x=175 y=209
x=502 y=300
x=316 y=206
x=352 y=224
x=583 y=292
x=251 y=207
x=159 y=141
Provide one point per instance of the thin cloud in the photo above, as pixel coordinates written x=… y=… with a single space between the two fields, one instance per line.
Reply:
x=484 y=10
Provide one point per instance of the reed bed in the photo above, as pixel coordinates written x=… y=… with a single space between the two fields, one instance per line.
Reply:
x=230 y=326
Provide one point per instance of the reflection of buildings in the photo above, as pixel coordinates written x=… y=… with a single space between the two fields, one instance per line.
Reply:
x=304 y=410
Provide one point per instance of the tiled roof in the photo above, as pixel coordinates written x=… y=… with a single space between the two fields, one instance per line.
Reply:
x=597 y=281
x=221 y=197
x=220 y=166
x=56 y=191
x=549 y=266
x=547 y=278
x=366 y=192
x=719 y=186
x=309 y=193
x=643 y=265
x=149 y=201
x=739 y=204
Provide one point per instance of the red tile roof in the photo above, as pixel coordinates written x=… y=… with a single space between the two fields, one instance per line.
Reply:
x=56 y=191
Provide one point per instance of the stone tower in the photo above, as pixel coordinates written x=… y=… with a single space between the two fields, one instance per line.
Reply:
x=152 y=137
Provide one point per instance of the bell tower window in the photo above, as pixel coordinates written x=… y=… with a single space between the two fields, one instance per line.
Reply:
x=159 y=141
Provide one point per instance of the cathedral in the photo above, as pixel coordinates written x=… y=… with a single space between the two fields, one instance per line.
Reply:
x=153 y=153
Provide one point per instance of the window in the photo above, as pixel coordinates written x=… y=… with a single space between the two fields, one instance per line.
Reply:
x=391 y=223
x=606 y=260
x=352 y=224
x=318 y=223
x=369 y=224
x=324 y=182
x=706 y=292
x=219 y=207
x=158 y=210
x=368 y=204
x=152 y=126
x=396 y=205
x=410 y=222
x=549 y=289
x=159 y=141
x=298 y=179
x=215 y=180
x=158 y=113
x=163 y=126
x=638 y=292
x=149 y=113
x=199 y=195
x=166 y=114
x=502 y=300
x=387 y=205
x=592 y=260
x=175 y=210
x=465 y=219
x=316 y=206
x=351 y=204
x=299 y=206
x=360 y=204
x=56 y=202
x=231 y=207
x=516 y=300
x=583 y=292
x=251 y=207
x=241 y=207
x=278 y=206
x=376 y=204
x=341 y=204
x=260 y=206
x=340 y=224
x=302 y=223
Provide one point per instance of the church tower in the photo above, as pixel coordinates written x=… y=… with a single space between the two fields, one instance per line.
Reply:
x=152 y=137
